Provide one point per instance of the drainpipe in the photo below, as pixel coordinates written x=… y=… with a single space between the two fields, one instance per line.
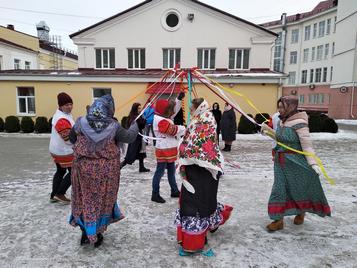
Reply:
x=352 y=100
x=283 y=40
x=354 y=82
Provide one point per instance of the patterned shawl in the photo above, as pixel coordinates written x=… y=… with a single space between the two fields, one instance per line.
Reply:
x=100 y=114
x=199 y=145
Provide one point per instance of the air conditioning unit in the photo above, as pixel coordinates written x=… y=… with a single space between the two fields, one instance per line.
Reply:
x=312 y=86
x=293 y=92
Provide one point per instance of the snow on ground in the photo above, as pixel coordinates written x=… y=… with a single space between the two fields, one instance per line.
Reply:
x=347 y=122
x=35 y=233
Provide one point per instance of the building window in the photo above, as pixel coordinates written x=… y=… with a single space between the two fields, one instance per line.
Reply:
x=313 y=54
x=321 y=98
x=277 y=54
x=295 y=36
x=307 y=32
x=318 y=75
x=26 y=101
x=293 y=57
x=331 y=72
x=238 y=58
x=303 y=76
x=321 y=28
x=301 y=99
x=206 y=58
x=314 y=32
x=319 y=52
x=292 y=76
x=327 y=50
x=328 y=26
x=16 y=64
x=0 y=63
x=333 y=49
x=100 y=92
x=311 y=75
x=324 y=74
x=306 y=55
x=334 y=25
x=105 y=58
x=171 y=57
x=27 y=65
x=136 y=58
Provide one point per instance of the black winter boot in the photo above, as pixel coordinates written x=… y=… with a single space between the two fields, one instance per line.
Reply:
x=175 y=194
x=84 y=238
x=122 y=164
x=99 y=240
x=142 y=168
x=227 y=148
x=157 y=198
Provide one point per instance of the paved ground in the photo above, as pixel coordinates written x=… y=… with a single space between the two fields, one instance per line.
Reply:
x=34 y=233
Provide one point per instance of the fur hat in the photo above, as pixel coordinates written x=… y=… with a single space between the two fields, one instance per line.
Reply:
x=63 y=99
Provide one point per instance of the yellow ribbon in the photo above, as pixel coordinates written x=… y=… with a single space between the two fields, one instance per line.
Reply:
x=317 y=159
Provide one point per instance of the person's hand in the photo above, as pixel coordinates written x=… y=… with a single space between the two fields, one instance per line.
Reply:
x=181 y=96
x=317 y=169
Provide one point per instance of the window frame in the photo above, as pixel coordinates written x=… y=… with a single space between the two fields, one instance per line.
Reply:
x=311 y=76
x=307 y=33
x=322 y=28
x=141 y=52
x=242 y=60
x=318 y=75
x=304 y=77
x=328 y=26
x=293 y=57
x=175 y=62
x=109 y=49
x=209 y=58
x=314 y=31
x=292 y=81
x=324 y=74
x=27 y=65
x=17 y=64
x=26 y=98
x=319 y=52
x=313 y=52
x=100 y=88
x=295 y=36
x=306 y=53
x=326 y=51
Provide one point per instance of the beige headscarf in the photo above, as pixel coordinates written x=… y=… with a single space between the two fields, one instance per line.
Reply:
x=290 y=104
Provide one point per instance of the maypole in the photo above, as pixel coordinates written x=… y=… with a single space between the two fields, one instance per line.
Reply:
x=189 y=81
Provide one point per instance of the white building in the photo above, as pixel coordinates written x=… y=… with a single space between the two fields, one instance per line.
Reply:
x=344 y=80
x=160 y=34
x=13 y=55
x=304 y=50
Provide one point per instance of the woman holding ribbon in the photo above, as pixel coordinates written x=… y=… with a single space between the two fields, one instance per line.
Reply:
x=200 y=165
x=297 y=188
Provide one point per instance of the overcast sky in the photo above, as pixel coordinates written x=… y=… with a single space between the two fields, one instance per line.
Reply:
x=68 y=16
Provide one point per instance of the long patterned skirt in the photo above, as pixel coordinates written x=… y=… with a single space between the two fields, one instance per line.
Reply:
x=95 y=184
x=296 y=189
x=199 y=212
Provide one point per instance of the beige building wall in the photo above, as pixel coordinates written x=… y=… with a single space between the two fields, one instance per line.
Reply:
x=125 y=94
x=46 y=61
x=22 y=39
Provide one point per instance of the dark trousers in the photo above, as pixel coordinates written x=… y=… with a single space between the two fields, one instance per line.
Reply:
x=160 y=170
x=61 y=181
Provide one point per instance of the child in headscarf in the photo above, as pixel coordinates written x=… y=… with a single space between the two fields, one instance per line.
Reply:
x=96 y=169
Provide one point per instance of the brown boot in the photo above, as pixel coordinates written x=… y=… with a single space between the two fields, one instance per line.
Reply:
x=62 y=198
x=275 y=226
x=299 y=219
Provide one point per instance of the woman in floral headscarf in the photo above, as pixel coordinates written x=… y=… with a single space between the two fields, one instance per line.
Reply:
x=200 y=164
x=96 y=169
x=297 y=187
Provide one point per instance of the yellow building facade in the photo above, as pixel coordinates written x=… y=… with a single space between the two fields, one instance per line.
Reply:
x=39 y=98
